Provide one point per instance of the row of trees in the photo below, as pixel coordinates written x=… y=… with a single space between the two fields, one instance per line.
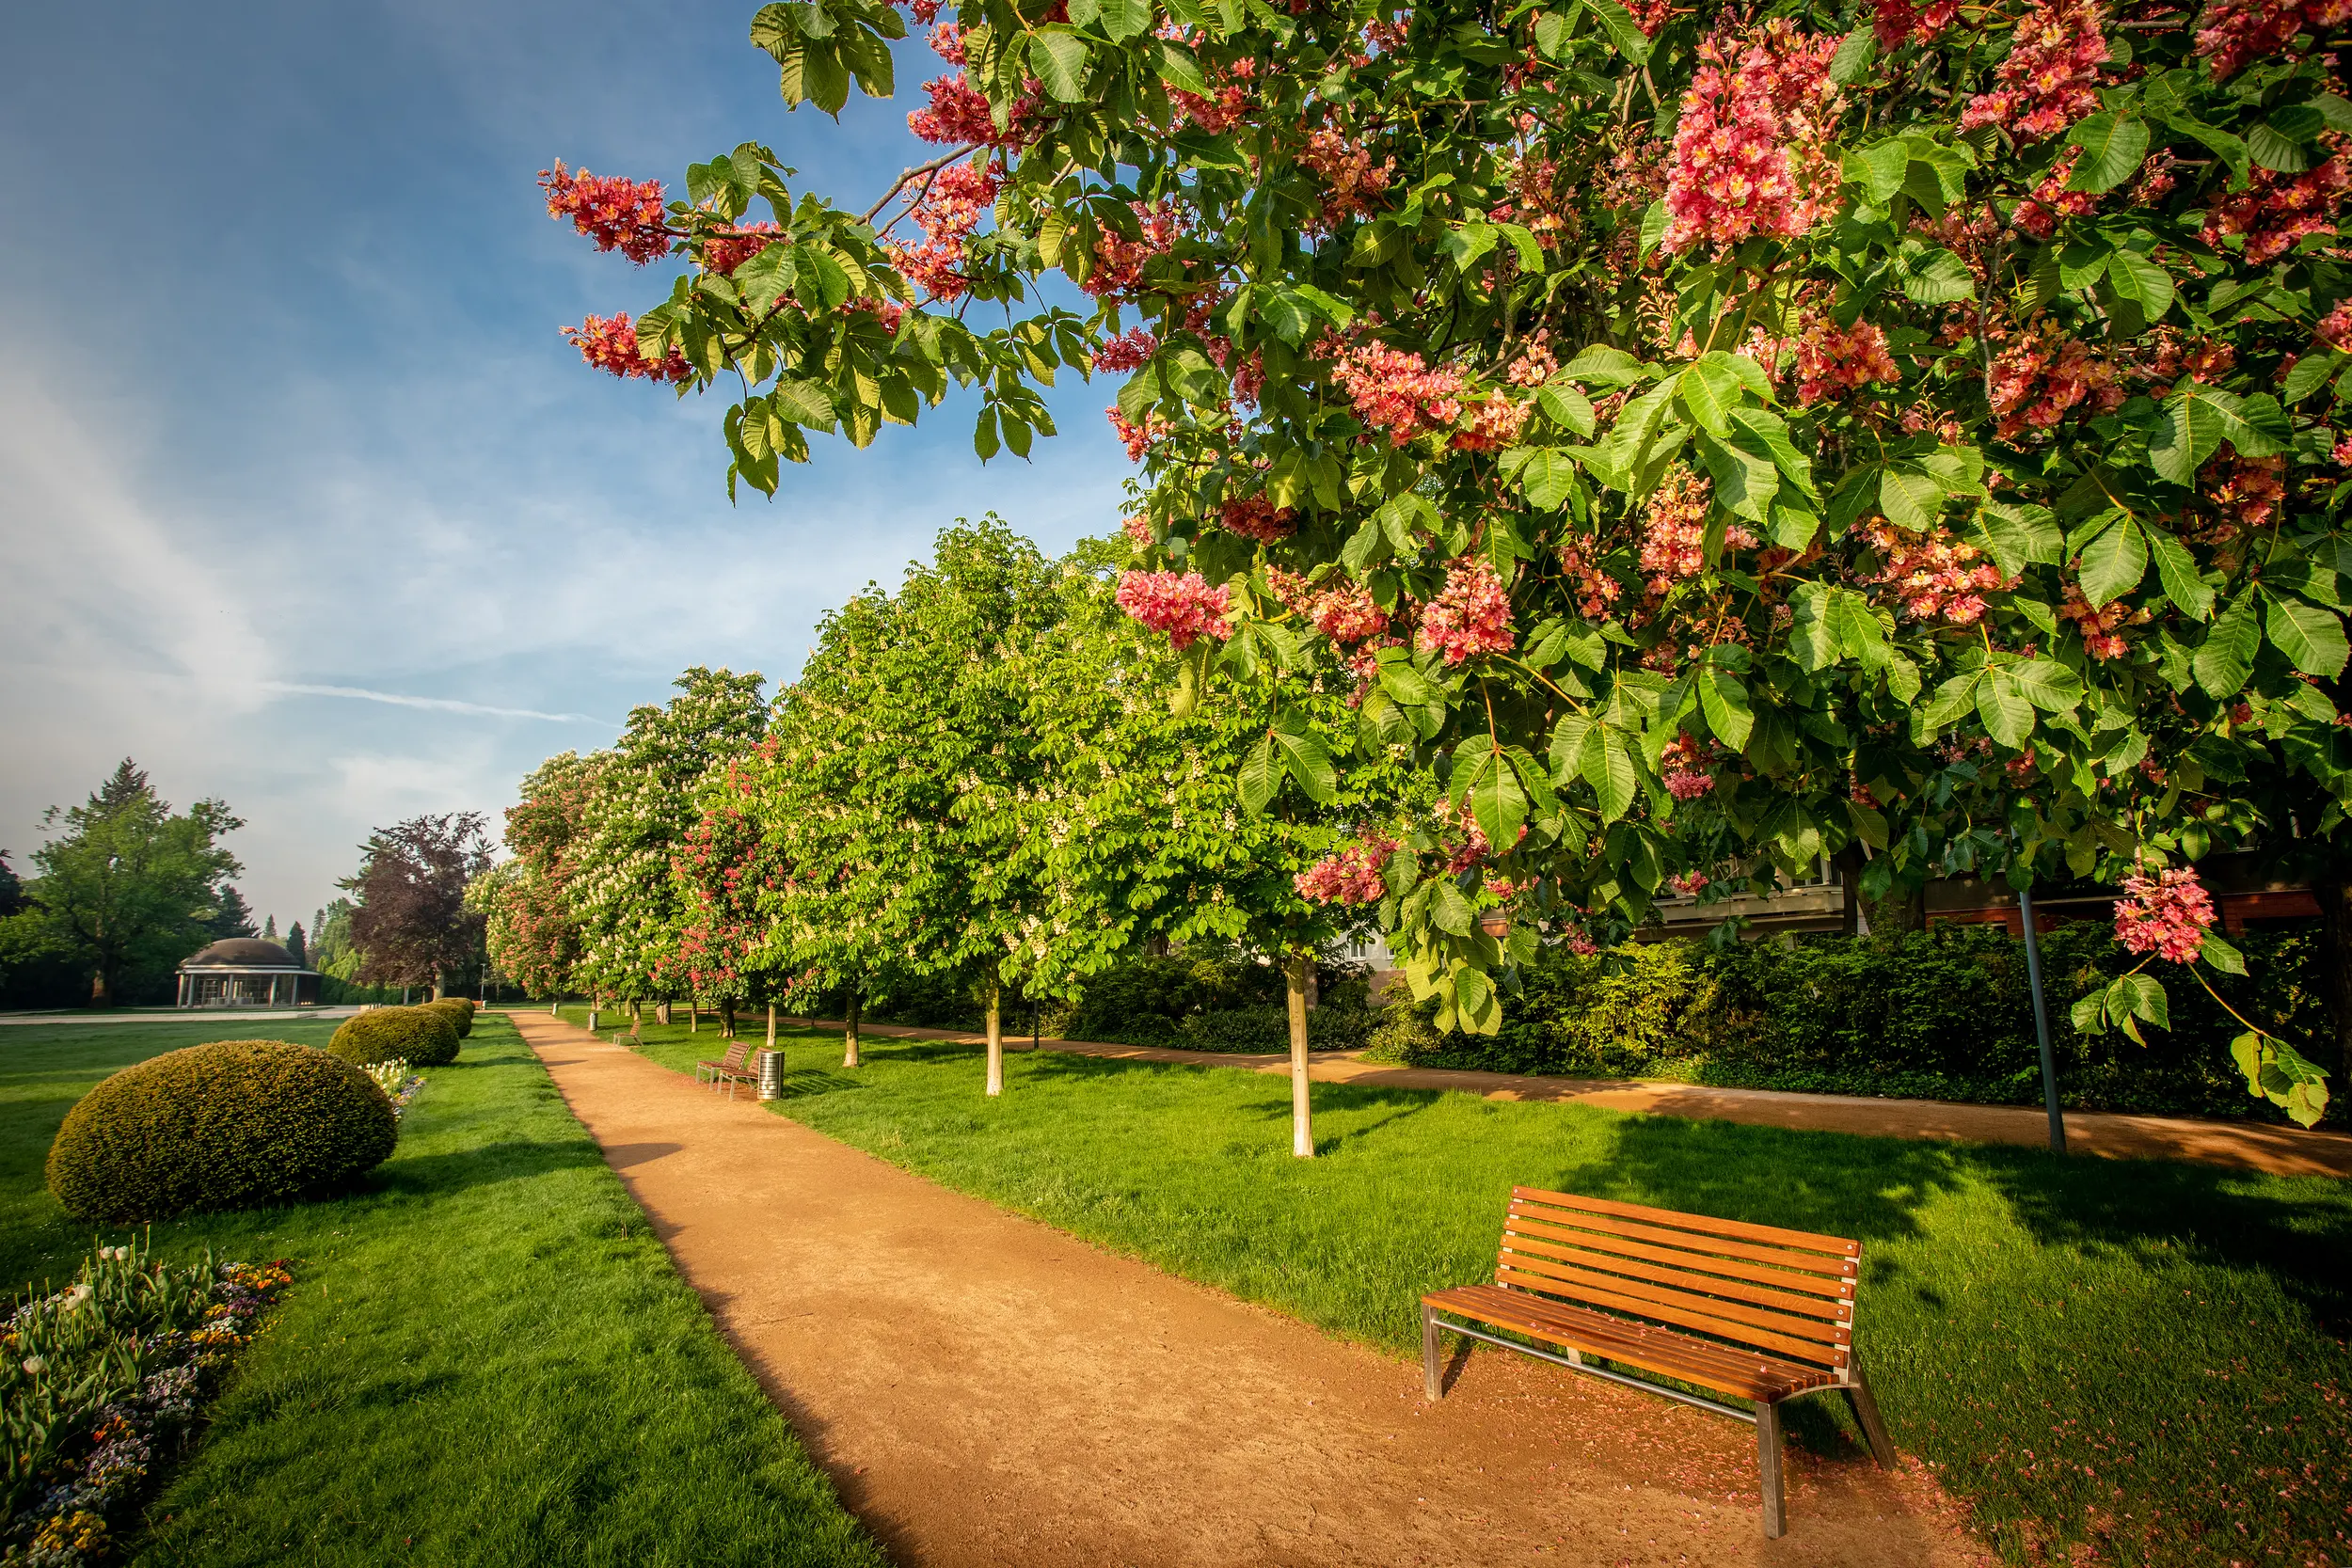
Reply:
x=1896 y=433
x=978 y=778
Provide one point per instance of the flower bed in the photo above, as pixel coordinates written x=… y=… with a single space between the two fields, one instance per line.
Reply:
x=399 y=1084
x=100 y=1387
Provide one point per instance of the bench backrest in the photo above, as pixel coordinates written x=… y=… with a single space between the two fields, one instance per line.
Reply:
x=736 y=1052
x=1787 y=1292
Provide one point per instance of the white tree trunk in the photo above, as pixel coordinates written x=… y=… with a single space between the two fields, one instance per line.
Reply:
x=996 y=1040
x=772 y=1025
x=849 y=1034
x=1299 y=971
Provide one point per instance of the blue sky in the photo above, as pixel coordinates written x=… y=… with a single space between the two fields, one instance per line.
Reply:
x=286 y=418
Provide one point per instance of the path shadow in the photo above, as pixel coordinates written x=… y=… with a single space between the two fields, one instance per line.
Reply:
x=488 y=1165
x=628 y=1156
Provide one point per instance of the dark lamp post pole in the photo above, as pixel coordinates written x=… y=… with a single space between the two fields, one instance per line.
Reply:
x=2041 y=1023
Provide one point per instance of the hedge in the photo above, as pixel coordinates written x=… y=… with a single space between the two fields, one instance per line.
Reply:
x=1942 y=1014
x=422 y=1037
x=233 y=1124
x=458 y=1011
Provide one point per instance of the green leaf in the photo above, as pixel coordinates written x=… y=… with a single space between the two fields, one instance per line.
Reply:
x=1260 y=776
x=2112 y=147
x=2310 y=374
x=1911 y=497
x=2222 y=956
x=1653 y=227
x=1724 y=699
x=2311 y=637
x=1179 y=69
x=2222 y=663
x=1408 y=686
x=1879 y=169
x=1566 y=405
x=1611 y=772
x=1936 y=277
x=2019 y=536
x=1497 y=802
x=2142 y=280
x=1475 y=1001
x=804 y=403
x=1126 y=18
x=2177 y=570
x=1308 y=761
x=1605 y=366
x=2007 y=712
x=2048 y=685
x=1709 y=391
x=1622 y=29
x=984 y=433
x=1449 y=909
x=1744 y=482
x=1760 y=427
x=2280 y=153
x=1546 y=478
x=1059 y=56
x=1853 y=56
x=2114 y=561
x=1552 y=32
x=2089 y=1015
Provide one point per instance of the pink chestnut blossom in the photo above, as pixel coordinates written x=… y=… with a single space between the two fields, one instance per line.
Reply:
x=2050 y=77
x=1351 y=877
x=2167 y=914
x=1181 y=603
x=1470 y=615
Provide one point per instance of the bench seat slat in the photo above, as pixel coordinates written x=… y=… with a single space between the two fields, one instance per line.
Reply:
x=1721 y=1367
x=1573 y=1228
x=1730 y=1268
x=1690 y=1317
x=1814 y=1323
x=1809 y=1241
x=1831 y=1306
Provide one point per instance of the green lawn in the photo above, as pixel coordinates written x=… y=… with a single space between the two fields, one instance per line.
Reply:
x=2147 y=1356
x=487 y=1358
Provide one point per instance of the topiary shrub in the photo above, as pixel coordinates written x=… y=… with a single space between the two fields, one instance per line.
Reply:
x=422 y=1037
x=235 y=1124
x=458 y=1011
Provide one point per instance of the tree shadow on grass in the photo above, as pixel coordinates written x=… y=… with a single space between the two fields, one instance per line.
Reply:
x=486 y=1164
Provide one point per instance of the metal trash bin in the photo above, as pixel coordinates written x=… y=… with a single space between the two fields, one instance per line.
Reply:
x=770 y=1074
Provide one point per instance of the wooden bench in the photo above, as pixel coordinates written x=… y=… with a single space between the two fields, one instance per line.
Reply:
x=1750 y=1311
x=728 y=1070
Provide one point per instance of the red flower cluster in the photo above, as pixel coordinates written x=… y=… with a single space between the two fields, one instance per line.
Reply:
x=1222 y=111
x=2101 y=637
x=1470 y=615
x=2038 y=213
x=1492 y=425
x=1595 y=589
x=1688 y=766
x=1673 y=534
x=1834 y=361
x=1897 y=20
x=1349 y=177
x=1535 y=362
x=1392 y=391
x=610 y=344
x=2276 y=210
x=2336 y=330
x=1138 y=529
x=948 y=211
x=2236 y=32
x=1688 y=883
x=1934 y=576
x=1130 y=351
x=1181 y=603
x=1752 y=154
x=2050 y=78
x=618 y=215
x=2167 y=914
x=2246 y=489
x=1340 y=610
x=1137 y=438
x=1351 y=877
x=1119 y=262
x=2044 y=376
x=723 y=253
x=1256 y=517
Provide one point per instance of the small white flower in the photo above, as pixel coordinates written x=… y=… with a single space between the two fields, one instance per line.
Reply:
x=34 y=1364
x=77 y=1298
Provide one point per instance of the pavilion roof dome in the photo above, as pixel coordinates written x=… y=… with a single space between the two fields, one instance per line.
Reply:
x=243 y=952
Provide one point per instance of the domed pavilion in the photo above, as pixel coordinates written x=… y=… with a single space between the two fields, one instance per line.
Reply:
x=247 y=971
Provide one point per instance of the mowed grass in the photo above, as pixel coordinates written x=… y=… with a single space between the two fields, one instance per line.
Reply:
x=2147 y=1357
x=487 y=1358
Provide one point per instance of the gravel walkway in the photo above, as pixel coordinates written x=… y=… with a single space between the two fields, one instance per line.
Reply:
x=987 y=1390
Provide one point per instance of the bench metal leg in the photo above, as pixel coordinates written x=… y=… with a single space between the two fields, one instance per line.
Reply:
x=1865 y=1414
x=1768 y=1461
x=1432 y=1378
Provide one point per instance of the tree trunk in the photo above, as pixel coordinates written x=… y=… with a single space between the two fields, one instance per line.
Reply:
x=662 y=1011
x=726 y=1019
x=996 y=1040
x=1299 y=971
x=849 y=1034
x=1850 y=919
x=636 y=1021
x=772 y=1025
x=693 y=1016
x=2335 y=968
x=99 y=991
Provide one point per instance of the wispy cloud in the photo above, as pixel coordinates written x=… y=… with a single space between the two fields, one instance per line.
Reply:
x=436 y=704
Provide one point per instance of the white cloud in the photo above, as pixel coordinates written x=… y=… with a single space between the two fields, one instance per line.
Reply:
x=436 y=704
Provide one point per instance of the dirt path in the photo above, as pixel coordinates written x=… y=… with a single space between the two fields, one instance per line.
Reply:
x=987 y=1390
x=2249 y=1146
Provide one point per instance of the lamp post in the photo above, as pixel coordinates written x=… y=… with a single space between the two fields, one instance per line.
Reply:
x=2041 y=1023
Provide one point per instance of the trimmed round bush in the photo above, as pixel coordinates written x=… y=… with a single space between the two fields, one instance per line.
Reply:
x=422 y=1037
x=458 y=1011
x=233 y=1124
